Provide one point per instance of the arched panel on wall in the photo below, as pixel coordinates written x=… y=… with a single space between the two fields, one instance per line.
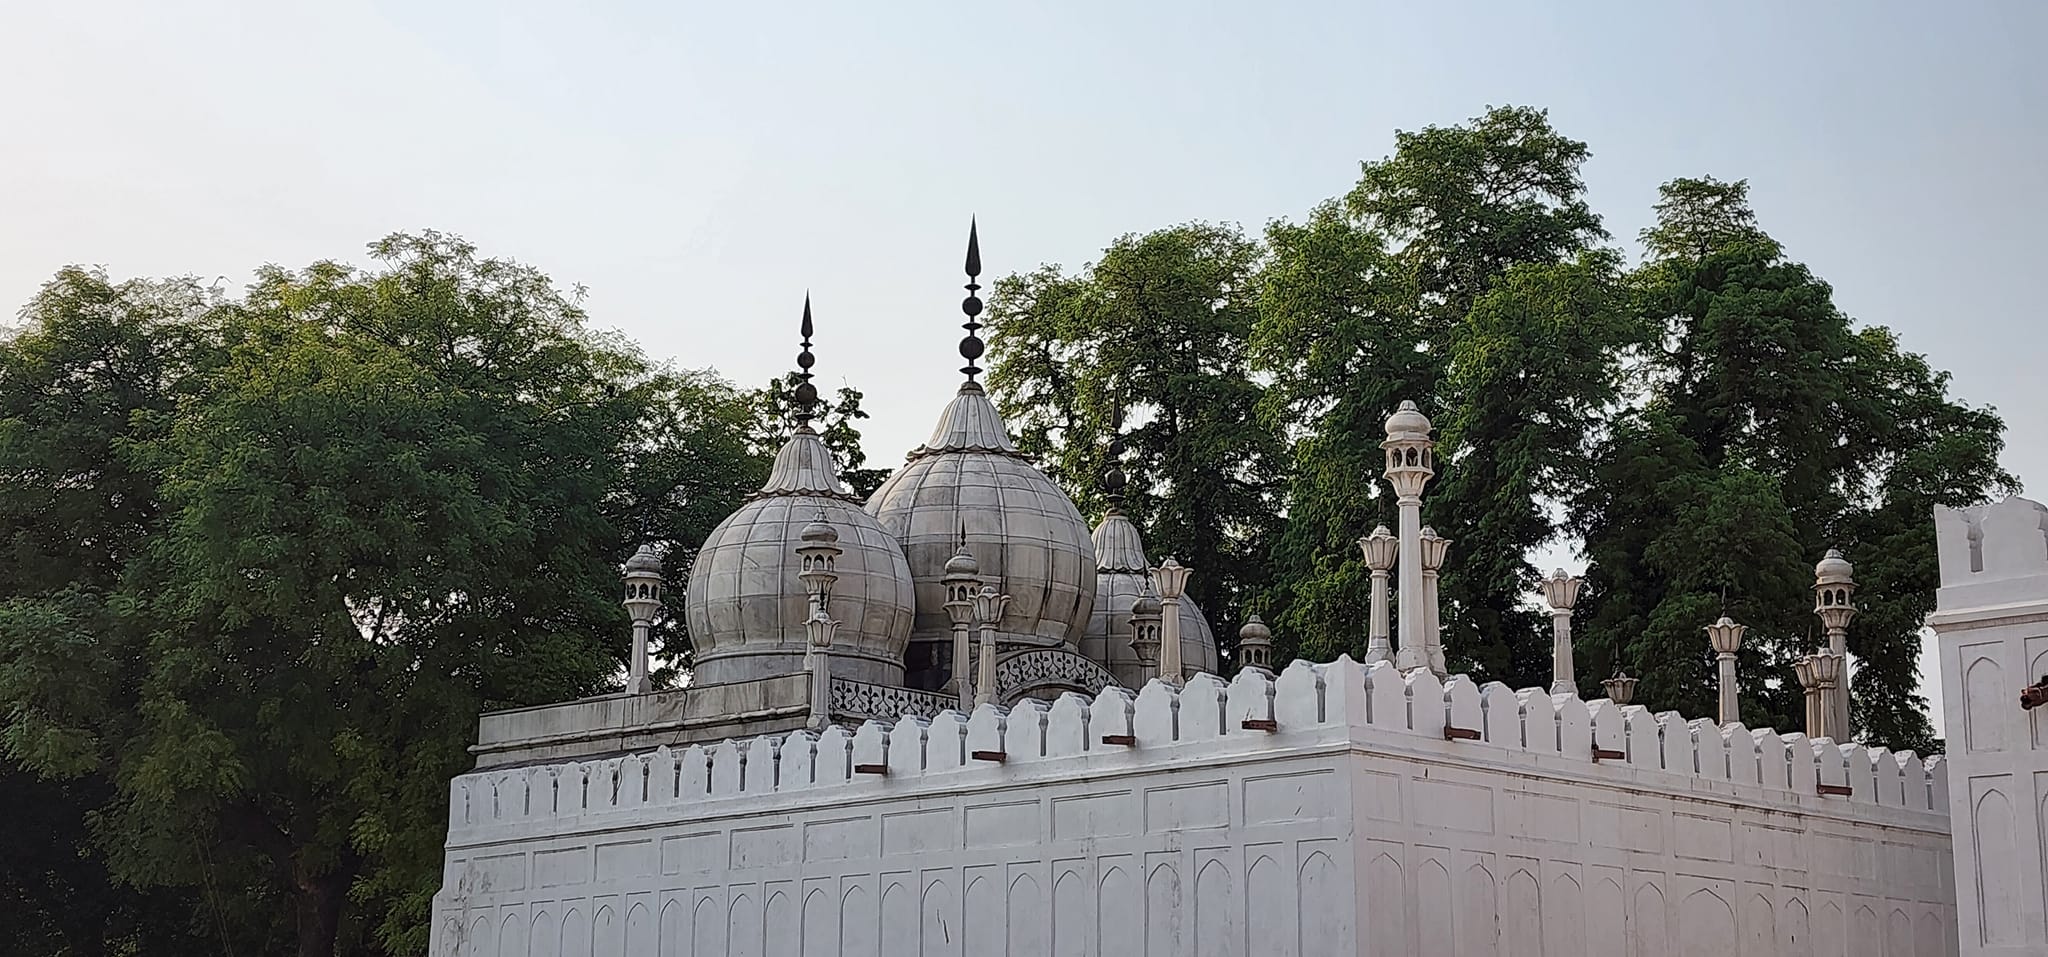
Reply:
x=512 y=936
x=1564 y=917
x=1029 y=935
x=1478 y=932
x=1072 y=924
x=1927 y=936
x=743 y=927
x=857 y=936
x=1522 y=929
x=1759 y=927
x=607 y=932
x=1606 y=920
x=821 y=925
x=575 y=933
x=547 y=941
x=483 y=937
x=707 y=927
x=1830 y=937
x=1898 y=935
x=1162 y=911
x=984 y=927
x=1998 y=902
x=1647 y=936
x=1866 y=932
x=1984 y=705
x=639 y=930
x=1795 y=934
x=781 y=932
x=1269 y=909
x=675 y=929
x=1706 y=925
x=1386 y=903
x=1121 y=903
x=939 y=918
x=1218 y=932
x=1436 y=917
x=1321 y=902
x=900 y=920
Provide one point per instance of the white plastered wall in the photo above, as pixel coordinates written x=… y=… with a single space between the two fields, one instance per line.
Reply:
x=1354 y=827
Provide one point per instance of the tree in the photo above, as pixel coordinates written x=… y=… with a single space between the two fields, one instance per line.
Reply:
x=372 y=505
x=1462 y=272
x=1770 y=431
x=1156 y=330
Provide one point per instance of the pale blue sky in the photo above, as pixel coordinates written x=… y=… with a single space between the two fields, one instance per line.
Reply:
x=699 y=166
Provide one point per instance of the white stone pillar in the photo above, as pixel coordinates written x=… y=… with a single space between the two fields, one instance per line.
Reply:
x=643 y=600
x=962 y=582
x=1834 y=586
x=1171 y=578
x=818 y=663
x=1991 y=622
x=1434 y=548
x=1726 y=636
x=1380 y=549
x=988 y=609
x=1411 y=461
x=1561 y=592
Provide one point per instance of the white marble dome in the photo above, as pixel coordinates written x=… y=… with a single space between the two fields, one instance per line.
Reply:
x=969 y=483
x=1123 y=577
x=746 y=607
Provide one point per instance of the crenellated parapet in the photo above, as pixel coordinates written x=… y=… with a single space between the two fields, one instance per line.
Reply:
x=1307 y=707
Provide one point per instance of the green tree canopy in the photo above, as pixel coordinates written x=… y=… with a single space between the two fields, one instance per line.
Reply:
x=1157 y=331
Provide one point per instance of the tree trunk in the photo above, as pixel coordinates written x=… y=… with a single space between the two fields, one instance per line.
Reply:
x=316 y=902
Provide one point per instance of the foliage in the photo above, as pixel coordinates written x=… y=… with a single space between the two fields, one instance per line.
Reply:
x=1462 y=273
x=341 y=517
x=1157 y=330
x=1771 y=430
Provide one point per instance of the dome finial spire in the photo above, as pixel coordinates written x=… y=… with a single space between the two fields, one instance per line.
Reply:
x=806 y=393
x=970 y=347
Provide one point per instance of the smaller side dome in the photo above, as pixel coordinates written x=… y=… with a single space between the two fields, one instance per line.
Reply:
x=820 y=532
x=1123 y=586
x=644 y=560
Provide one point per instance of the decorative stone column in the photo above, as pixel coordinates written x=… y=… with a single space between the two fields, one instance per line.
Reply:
x=1561 y=591
x=819 y=629
x=962 y=582
x=1255 y=645
x=1172 y=580
x=1825 y=668
x=1834 y=584
x=1411 y=461
x=1727 y=637
x=1621 y=689
x=1434 y=548
x=643 y=600
x=1145 y=631
x=988 y=609
x=1380 y=548
x=1803 y=668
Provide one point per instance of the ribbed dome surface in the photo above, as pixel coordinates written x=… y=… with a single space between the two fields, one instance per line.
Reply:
x=1023 y=531
x=1123 y=576
x=746 y=607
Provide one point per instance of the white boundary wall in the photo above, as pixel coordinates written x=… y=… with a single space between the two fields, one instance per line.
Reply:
x=1992 y=617
x=1356 y=827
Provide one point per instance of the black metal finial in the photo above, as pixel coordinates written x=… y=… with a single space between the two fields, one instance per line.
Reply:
x=1113 y=479
x=806 y=393
x=970 y=347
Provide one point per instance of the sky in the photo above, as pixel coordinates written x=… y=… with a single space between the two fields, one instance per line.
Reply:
x=699 y=167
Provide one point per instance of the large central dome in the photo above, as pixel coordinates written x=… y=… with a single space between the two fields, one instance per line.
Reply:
x=969 y=484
